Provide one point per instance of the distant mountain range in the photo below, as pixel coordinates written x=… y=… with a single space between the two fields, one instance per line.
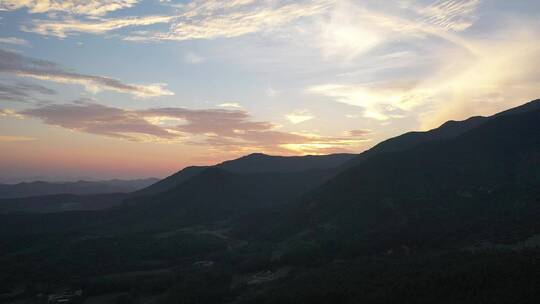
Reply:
x=38 y=188
x=271 y=180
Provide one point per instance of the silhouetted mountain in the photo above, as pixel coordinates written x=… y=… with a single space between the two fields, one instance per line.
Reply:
x=253 y=163
x=483 y=184
x=39 y=188
x=170 y=181
x=447 y=130
x=260 y=163
x=409 y=140
x=217 y=194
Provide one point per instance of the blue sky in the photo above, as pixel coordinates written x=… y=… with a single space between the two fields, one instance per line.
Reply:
x=129 y=88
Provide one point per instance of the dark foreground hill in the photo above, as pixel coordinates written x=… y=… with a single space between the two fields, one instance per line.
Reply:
x=217 y=194
x=482 y=185
x=445 y=216
x=227 y=191
x=448 y=130
x=253 y=163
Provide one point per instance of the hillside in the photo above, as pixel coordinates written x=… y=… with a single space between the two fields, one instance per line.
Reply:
x=252 y=163
x=482 y=185
x=448 y=130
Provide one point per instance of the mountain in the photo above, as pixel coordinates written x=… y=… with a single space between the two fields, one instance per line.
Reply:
x=409 y=140
x=217 y=194
x=448 y=130
x=481 y=185
x=260 y=163
x=170 y=181
x=444 y=216
x=40 y=188
x=231 y=189
x=252 y=163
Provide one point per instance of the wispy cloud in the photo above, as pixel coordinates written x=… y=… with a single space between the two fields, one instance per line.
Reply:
x=464 y=79
x=13 y=40
x=193 y=20
x=299 y=116
x=380 y=101
x=354 y=28
x=22 y=92
x=230 y=105
x=442 y=67
x=9 y=113
x=215 y=19
x=76 y=7
x=217 y=128
x=193 y=58
x=17 y=64
x=271 y=92
x=477 y=86
x=455 y=15
x=64 y=27
x=10 y=138
x=359 y=132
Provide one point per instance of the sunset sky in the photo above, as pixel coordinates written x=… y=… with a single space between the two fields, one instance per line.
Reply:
x=126 y=88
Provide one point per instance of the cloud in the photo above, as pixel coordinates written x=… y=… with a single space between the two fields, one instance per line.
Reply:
x=13 y=40
x=65 y=27
x=9 y=138
x=230 y=130
x=299 y=116
x=425 y=62
x=9 y=113
x=76 y=7
x=457 y=15
x=477 y=86
x=359 y=132
x=230 y=105
x=271 y=92
x=461 y=77
x=22 y=92
x=380 y=101
x=17 y=64
x=216 y=19
x=354 y=28
x=347 y=32
x=207 y=19
x=97 y=119
x=193 y=58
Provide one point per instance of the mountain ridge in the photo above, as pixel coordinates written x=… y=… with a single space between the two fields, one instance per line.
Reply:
x=495 y=165
x=447 y=130
x=81 y=187
x=251 y=163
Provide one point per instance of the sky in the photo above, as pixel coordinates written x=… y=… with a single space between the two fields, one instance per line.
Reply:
x=96 y=89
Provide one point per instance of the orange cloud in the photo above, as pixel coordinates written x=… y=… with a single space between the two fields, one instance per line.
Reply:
x=231 y=130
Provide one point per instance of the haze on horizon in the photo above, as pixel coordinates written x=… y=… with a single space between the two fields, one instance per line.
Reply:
x=127 y=88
